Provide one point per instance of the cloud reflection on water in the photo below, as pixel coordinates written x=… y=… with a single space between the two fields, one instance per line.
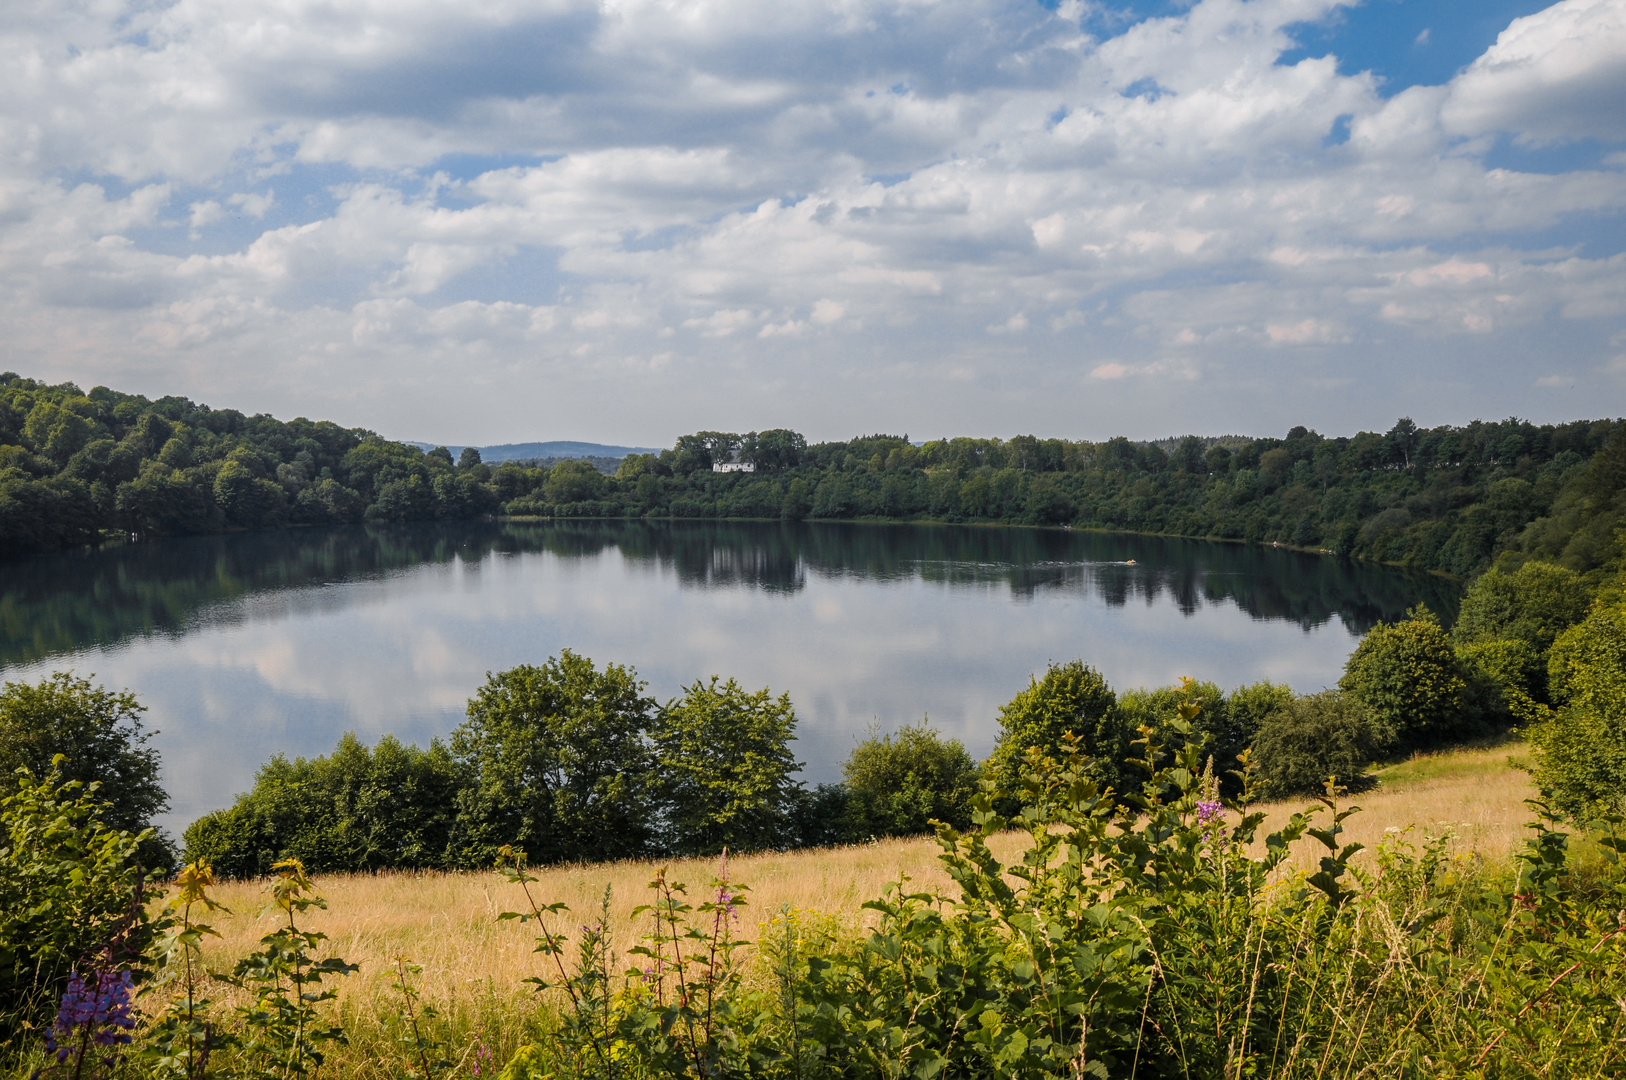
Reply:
x=278 y=642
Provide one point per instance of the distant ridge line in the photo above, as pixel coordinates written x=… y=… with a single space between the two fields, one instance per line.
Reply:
x=557 y=449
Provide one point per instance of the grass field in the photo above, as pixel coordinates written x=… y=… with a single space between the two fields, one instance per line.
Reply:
x=473 y=965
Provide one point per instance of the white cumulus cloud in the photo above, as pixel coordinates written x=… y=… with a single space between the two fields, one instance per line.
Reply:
x=641 y=217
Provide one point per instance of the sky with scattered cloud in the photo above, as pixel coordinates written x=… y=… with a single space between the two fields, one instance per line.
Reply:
x=623 y=220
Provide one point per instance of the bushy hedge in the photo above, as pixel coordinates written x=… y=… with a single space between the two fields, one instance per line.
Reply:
x=1312 y=739
x=898 y=784
x=565 y=761
x=358 y=809
x=1582 y=746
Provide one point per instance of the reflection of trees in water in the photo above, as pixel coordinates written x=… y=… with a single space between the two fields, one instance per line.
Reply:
x=71 y=601
x=74 y=600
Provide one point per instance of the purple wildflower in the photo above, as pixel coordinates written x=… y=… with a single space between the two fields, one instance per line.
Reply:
x=481 y=1063
x=1211 y=818
x=104 y=1011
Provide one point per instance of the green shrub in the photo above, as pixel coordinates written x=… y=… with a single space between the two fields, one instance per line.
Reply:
x=1071 y=697
x=1534 y=604
x=559 y=763
x=229 y=840
x=725 y=768
x=566 y=759
x=71 y=896
x=1411 y=684
x=817 y=817
x=103 y=739
x=358 y=809
x=899 y=783
x=1315 y=737
x=1227 y=724
x=1502 y=678
x=1250 y=706
x=1582 y=749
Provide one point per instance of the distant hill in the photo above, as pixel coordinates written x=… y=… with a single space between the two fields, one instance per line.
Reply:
x=539 y=450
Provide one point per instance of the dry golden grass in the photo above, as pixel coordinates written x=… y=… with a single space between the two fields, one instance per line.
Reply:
x=1477 y=793
x=448 y=922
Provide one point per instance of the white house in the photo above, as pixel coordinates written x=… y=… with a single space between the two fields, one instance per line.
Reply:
x=733 y=464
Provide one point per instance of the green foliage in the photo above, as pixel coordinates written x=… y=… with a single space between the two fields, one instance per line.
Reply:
x=818 y=816
x=1585 y=663
x=1533 y=604
x=359 y=809
x=283 y=1030
x=1228 y=726
x=72 y=893
x=425 y=1056
x=573 y=482
x=1151 y=934
x=559 y=762
x=682 y=1009
x=1312 y=738
x=99 y=732
x=724 y=763
x=1249 y=707
x=1071 y=697
x=574 y=760
x=75 y=466
x=1582 y=528
x=1582 y=748
x=1503 y=678
x=898 y=784
x=1408 y=679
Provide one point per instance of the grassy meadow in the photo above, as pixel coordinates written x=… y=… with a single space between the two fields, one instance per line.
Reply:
x=473 y=964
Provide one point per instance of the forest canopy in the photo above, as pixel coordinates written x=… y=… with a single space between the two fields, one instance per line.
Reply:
x=78 y=467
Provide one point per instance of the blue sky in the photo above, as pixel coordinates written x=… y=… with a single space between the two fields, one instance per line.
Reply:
x=622 y=220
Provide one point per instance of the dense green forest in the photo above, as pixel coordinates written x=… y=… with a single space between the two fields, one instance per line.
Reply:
x=76 y=467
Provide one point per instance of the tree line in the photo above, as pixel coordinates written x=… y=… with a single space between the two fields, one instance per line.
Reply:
x=76 y=467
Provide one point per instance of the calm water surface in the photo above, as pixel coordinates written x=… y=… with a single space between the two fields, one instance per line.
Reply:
x=248 y=645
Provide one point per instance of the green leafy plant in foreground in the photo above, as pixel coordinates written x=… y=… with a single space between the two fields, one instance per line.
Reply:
x=71 y=898
x=425 y=1054
x=182 y=1038
x=681 y=1010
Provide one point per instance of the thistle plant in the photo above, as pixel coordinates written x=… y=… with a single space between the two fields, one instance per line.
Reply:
x=282 y=1030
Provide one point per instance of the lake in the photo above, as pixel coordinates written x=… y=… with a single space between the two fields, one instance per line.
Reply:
x=247 y=645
